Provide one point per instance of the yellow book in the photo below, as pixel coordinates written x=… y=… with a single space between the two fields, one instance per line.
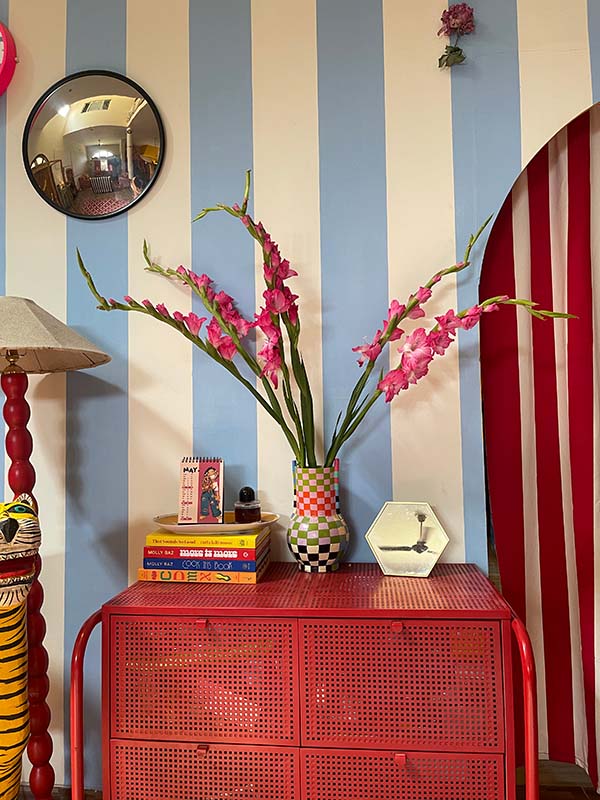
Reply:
x=163 y=538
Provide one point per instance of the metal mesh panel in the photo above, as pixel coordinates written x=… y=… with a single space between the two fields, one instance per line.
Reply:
x=162 y=771
x=396 y=776
x=218 y=679
x=421 y=685
x=452 y=590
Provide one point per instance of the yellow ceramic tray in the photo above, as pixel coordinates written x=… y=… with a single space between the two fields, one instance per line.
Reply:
x=169 y=523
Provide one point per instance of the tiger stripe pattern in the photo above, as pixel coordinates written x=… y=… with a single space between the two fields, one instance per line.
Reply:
x=19 y=542
x=14 y=709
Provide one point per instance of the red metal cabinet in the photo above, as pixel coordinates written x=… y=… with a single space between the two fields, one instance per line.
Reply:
x=345 y=686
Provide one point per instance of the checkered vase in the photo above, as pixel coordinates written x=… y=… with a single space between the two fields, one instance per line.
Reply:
x=317 y=536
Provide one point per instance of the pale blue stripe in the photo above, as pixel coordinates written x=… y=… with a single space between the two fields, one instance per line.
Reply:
x=487 y=160
x=221 y=151
x=594 y=36
x=97 y=406
x=354 y=277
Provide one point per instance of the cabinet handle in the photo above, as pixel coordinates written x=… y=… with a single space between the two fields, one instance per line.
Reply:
x=202 y=749
x=397 y=626
x=400 y=759
x=202 y=623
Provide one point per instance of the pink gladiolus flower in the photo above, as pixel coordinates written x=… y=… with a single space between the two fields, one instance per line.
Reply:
x=193 y=323
x=203 y=284
x=396 y=309
x=416 y=354
x=471 y=318
x=178 y=316
x=272 y=362
x=422 y=296
x=224 y=345
x=236 y=207
x=128 y=299
x=285 y=271
x=439 y=341
x=265 y=323
x=393 y=383
x=162 y=310
x=227 y=348
x=449 y=321
x=213 y=330
x=181 y=270
x=112 y=301
x=293 y=314
x=147 y=304
x=457 y=19
x=276 y=302
x=225 y=303
x=369 y=352
x=245 y=220
x=230 y=314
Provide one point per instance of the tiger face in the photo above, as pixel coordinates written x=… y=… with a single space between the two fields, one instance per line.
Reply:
x=19 y=543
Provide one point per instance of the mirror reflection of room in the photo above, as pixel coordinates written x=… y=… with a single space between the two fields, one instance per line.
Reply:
x=94 y=145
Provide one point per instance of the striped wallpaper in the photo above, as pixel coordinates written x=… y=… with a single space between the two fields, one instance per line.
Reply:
x=371 y=168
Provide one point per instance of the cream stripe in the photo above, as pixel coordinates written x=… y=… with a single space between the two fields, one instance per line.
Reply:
x=160 y=360
x=419 y=155
x=595 y=211
x=559 y=213
x=286 y=199
x=532 y=553
x=36 y=268
x=554 y=67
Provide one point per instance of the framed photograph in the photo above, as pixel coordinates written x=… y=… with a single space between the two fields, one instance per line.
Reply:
x=407 y=539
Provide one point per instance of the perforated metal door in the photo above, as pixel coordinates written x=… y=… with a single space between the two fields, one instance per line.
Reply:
x=217 y=679
x=171 y=771
x=368 y=775
x=418 y=684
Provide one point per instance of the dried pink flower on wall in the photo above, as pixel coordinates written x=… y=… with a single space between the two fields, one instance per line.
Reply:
x=457 y=20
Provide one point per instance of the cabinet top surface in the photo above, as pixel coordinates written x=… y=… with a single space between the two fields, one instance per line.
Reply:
x=451 y=591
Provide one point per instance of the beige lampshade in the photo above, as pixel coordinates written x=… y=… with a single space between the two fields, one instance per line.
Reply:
x=44 y=343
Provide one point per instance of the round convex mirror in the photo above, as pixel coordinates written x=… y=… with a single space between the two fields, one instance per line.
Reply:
x=93 y=144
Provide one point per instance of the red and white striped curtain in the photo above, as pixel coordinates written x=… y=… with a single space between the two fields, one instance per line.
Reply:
x=541 y=395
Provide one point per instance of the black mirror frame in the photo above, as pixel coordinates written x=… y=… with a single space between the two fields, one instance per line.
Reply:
x=34 y=111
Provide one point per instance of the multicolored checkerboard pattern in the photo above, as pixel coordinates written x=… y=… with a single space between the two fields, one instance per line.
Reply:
x=317 y=536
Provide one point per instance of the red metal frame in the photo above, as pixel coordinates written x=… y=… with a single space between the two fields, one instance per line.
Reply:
x=76 y=705
x=286 y=592
x=529 y=709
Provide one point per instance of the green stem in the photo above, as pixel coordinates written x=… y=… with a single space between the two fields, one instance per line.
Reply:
x=306 y=401
x=334 y=450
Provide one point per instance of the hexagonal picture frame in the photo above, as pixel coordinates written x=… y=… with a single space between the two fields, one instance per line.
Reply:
x=407 y=539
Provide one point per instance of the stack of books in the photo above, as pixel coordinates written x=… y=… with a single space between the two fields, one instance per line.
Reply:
x=212 y=558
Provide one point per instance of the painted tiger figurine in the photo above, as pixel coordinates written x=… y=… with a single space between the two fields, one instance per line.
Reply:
x=19 y=542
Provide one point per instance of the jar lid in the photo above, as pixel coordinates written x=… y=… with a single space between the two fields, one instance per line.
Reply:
x=247 y=494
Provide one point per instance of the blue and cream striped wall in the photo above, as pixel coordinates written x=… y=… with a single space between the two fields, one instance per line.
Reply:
x=371 y=167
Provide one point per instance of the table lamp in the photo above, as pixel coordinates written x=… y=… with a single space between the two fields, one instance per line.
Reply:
x=33 y=341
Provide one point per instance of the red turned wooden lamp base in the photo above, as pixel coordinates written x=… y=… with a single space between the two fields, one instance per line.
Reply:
x=32 y=340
